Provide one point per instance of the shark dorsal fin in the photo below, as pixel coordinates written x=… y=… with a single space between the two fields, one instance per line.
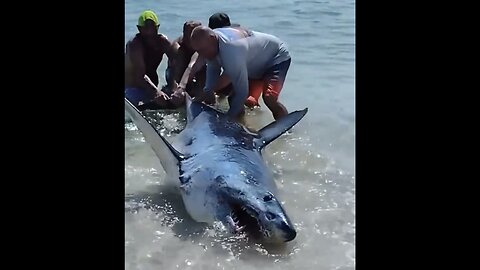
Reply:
x=273 y=130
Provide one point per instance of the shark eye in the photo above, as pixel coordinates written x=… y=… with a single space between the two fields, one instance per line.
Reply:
x=267 y=198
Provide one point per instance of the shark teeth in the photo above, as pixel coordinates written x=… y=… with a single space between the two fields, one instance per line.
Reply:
x=231 y=222
x=248 y=211
x=235 y=217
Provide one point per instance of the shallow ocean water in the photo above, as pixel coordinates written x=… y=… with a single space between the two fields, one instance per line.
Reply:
x=313 y=165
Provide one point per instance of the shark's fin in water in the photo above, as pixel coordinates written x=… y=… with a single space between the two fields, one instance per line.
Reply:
x=273 y=130
x=169 y=156
x=195 y=108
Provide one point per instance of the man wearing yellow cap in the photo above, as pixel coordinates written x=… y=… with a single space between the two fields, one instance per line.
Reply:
x=143 y=55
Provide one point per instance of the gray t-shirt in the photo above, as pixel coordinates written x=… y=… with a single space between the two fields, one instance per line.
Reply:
x=243 y=58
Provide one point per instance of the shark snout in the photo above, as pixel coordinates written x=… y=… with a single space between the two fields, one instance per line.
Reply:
x=282 y=229
x=289 y=232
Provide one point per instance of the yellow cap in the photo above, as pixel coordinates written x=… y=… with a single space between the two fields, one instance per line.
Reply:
x=148 y=15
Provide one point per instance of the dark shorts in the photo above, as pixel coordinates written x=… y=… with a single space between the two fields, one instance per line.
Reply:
x=271 y=84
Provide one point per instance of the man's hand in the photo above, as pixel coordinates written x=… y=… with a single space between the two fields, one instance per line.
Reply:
x=178 y=93
x=178 y=97
x=161 y=95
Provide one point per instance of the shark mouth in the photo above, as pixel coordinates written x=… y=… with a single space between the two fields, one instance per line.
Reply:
x=243 y=219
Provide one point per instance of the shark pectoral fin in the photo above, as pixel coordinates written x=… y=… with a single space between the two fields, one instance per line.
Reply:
x=273 y=130
x=169 y=157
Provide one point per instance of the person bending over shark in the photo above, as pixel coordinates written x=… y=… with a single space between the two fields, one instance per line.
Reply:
x=188 y=65
x=243 y=55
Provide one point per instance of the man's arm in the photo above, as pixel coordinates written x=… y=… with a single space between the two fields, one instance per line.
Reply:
x=171 y=50
x=200 y=63
x=213 y=73
x=240 y=88
x=196 y=63
x=180 y=63
x=235 y=66
x=136 y=57
x=172 y=64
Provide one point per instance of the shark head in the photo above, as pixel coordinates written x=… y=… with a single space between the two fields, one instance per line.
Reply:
x=250 y=208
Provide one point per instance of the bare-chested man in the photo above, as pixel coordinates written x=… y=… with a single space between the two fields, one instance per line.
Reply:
x=184 y=63
x=143 y=55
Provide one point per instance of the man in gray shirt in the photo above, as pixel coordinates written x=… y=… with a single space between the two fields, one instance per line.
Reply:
x=244 y=55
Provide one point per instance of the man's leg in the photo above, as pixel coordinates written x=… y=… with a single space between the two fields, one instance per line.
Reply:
x=274 y=80
x=255 y=89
